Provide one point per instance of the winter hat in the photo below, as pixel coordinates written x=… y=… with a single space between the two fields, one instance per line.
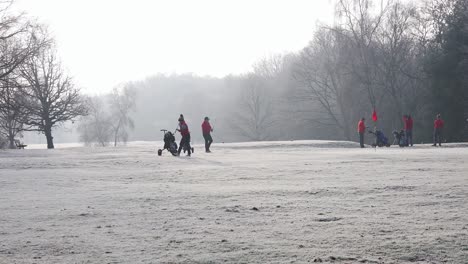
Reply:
x=206 y=118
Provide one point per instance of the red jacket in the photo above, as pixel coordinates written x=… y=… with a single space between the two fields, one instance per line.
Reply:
x=361 y=127
x=408 y=123
x=183 y=128
x=438 y=123
x=206 y=127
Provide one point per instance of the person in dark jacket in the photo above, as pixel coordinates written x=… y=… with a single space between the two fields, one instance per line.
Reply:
x=184 y=131
x=438 y=126
x=408 y=121
x=361 y=130
x=206 y=131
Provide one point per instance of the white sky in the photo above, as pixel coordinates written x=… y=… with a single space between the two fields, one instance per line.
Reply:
x=107 y=42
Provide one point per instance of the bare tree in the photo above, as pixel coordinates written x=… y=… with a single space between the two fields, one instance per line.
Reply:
x=52 y=96
x=269 y=67
x=18 y=42
x=254 y=119
x=19 y=35
x=96 y=127
x=13 y=111
x=360 y=21
x=323 y=78
x=273 y=74
x=122 y=103
x=402 y=78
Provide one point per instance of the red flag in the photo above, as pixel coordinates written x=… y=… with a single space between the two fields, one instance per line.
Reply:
x=374 y=116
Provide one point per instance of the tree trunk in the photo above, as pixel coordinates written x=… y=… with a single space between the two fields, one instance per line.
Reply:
x=11 y=138
x=346 y=126
x=116 y=134
x=346 y=132
x=49 y=137
x=115 y=138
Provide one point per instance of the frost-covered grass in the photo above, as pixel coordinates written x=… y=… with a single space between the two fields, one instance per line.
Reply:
x=273 y=202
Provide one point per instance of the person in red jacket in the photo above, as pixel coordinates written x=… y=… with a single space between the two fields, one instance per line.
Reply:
x=206 y=131
x=185 y=141
x=408 y=121
x=361 y=130
x=438 y=126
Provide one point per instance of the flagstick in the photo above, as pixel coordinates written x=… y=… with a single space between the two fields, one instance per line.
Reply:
x=375 y=118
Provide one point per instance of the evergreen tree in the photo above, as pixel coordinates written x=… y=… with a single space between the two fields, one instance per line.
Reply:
x=448 y=68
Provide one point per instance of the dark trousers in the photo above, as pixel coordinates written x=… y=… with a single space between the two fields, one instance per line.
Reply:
x=361 y=139
x=409 y=136
x=438 y=136
x=208 y=141
x=185 y=142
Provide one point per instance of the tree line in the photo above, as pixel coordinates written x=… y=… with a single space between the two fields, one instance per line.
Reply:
x=394 y=57
x=390 y=56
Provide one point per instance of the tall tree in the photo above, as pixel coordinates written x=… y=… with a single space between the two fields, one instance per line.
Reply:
x=399 y=47
x=359 y=21
x=122 y=103
x=448 y=66
x=52 y=97
x=13 y=110
x=13 y=114
x=18 y=42
x=323 y=78
x=19 y=35
x=96 y=127
x=254 y=116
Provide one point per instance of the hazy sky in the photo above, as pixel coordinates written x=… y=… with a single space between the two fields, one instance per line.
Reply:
x=106 y=42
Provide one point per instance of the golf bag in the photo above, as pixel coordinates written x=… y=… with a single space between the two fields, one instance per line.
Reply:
x=169 y=143
x=400 y=138
x=380 y=139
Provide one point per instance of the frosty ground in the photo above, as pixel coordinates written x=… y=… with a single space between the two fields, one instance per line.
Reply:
x=274 y=202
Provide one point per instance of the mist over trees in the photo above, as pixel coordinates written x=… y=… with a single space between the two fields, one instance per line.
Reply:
x=395 y=57
x=109 y=117
x=122 y=103
x=96 y=127
x=392 y=56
